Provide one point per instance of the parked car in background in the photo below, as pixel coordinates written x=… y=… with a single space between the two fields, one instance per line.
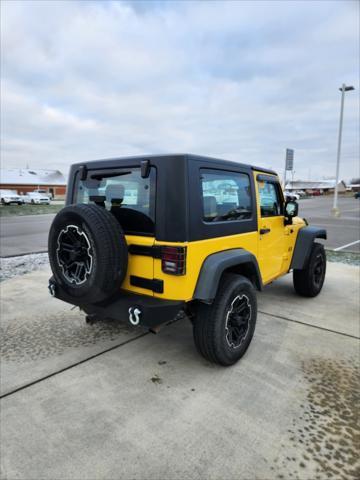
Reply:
x=291 y=196
x=36 y=198
x=301 y=193
x=42 y=191
x=9 y=197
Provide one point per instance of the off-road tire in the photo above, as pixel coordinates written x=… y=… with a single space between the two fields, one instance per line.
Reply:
x=107 y=246
x=209 y=326
x=309 y=281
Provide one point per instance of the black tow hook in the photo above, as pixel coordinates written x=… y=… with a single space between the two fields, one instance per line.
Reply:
x=52 y=289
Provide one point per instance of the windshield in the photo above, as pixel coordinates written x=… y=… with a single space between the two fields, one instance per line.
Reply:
x=128 y=196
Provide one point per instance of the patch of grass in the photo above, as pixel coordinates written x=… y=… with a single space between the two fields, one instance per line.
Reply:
x=15 y=210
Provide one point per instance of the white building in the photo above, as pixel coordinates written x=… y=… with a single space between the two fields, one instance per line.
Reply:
x=321 y=186
x=25 y=180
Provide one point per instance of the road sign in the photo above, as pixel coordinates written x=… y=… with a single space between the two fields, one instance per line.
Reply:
x=289 y=164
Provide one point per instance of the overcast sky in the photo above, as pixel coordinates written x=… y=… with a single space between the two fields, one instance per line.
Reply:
x=234 y=79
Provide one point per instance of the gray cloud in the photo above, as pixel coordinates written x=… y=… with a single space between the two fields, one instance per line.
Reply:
x=85 y=80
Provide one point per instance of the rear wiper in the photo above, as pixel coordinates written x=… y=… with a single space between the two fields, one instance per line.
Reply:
x=100 y=176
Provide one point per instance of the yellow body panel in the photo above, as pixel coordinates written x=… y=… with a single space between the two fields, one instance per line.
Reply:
x=182 y=287
x=139 y=265
x=271 y=248
x=271 y=245
x=273 y=252
x=291 y=233
x=276 y=247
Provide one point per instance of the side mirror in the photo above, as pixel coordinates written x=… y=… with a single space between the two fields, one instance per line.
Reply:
x=291 y=210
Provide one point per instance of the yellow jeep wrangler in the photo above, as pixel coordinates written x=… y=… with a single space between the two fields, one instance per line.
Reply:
x=142 y=239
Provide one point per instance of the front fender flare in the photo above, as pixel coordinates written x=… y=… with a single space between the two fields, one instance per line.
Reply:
x=215 y=265
x=303 y=245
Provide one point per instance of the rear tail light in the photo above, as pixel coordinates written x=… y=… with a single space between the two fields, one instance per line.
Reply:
x=173 y=260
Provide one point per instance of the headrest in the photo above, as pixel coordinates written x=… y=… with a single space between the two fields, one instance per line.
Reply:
x=114 y=192
x=210 y=206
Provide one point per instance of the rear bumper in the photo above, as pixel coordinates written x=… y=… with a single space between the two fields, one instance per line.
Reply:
x=134 y=309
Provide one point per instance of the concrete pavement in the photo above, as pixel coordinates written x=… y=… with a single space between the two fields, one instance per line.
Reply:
x=336 y=309
x=42 y=335
x=152 y=408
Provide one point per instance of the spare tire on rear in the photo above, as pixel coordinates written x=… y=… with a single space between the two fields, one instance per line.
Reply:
x=87 y=252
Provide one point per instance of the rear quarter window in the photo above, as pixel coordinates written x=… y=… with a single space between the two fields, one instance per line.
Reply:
x=226 y=196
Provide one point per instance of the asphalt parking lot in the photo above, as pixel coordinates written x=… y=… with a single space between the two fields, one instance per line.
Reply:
x=24 y=234
x=343 y=232
x=108 y=402
x=28 y=234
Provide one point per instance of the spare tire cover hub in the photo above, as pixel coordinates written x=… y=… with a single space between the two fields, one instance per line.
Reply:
x=74 y=254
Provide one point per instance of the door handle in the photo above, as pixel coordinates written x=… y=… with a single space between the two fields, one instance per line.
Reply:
x=264 y=230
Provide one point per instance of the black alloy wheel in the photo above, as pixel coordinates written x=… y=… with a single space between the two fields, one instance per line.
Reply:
x=74 y=254
x=223 y=329
x=319 y=270
x=238 y=321
x=309 y=281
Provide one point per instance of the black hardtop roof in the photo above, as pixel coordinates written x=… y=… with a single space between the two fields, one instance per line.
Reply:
x=167 y=156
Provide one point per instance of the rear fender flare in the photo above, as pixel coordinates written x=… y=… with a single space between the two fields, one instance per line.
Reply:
x=216 y=264
x=303 y=245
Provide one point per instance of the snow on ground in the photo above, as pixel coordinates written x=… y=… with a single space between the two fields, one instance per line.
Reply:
x=19 y=265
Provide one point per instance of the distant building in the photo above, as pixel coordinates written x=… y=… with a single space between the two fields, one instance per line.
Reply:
x=24 y=180
x=321 y=186
x=353 y=187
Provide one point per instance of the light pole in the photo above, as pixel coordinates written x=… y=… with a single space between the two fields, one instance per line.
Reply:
x=343 y=89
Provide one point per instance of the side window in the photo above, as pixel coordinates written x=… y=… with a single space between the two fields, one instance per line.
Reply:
x=226 y=196
x=270 y=199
